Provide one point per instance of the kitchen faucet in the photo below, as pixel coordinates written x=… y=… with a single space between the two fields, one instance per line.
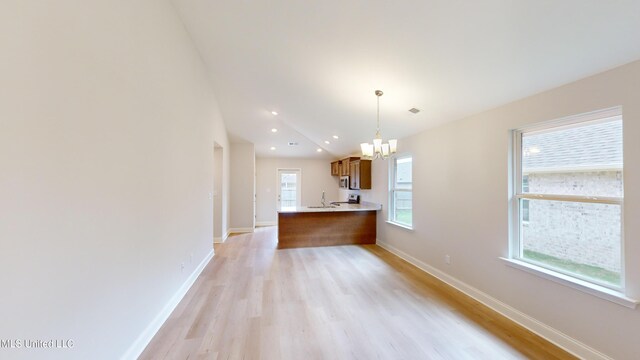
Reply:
x=322 y=201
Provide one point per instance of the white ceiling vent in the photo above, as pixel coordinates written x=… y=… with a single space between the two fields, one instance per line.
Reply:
x=293 y=143
x=414 y=110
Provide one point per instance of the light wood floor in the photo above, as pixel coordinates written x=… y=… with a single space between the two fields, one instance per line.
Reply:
x=345 y=302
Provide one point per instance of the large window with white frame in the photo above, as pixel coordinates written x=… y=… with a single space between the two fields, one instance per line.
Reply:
x=401 y=191
x=567 y=199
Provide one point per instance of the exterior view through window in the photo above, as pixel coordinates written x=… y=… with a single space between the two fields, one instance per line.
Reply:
x=288 y=188
x=401 y=186
x=569 y=196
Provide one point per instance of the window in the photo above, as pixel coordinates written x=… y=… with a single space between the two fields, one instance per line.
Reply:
x=400 y=191
x=568 y=197
x=288 y=188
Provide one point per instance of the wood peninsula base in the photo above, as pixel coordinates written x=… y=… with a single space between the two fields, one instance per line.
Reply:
x=308 y=229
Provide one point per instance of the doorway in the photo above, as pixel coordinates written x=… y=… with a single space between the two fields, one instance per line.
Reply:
x=289 y=185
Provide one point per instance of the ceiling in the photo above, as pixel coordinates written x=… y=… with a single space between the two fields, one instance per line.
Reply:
x=318 y=63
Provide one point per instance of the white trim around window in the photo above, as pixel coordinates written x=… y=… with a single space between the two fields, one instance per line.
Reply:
x=572 y=282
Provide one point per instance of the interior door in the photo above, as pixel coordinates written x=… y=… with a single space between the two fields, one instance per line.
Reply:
x=289 y=184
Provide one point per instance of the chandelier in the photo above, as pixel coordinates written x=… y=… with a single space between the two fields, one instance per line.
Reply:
x=378 y=150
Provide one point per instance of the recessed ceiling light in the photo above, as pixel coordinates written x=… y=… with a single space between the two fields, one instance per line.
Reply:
x=319 y=150
x=335 y=137
x=273 y=148
x=327 y=142
x=274 y=112
x=274 y=130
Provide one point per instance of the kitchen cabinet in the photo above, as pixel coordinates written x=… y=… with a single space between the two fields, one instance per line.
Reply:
x=345 y=165
x=341 y=167
x=335 y=168
x=360 y=174
x=354 y=170
x=358 y=171
x=327 y=227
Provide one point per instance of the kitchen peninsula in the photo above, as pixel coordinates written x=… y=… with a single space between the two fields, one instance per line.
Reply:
x=343 y=224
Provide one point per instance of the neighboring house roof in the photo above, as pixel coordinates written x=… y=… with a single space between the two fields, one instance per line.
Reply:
x=592 y=147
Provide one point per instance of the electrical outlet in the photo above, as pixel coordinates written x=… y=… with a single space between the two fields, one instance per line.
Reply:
x=447 y=259
x=181 y=266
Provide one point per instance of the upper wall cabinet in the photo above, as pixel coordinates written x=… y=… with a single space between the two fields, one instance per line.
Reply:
x=360 y=174
x=341 y=167
x=358 y=171
x=345 y=168
x=335 y=168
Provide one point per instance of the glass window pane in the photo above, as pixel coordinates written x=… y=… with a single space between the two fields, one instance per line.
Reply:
x=403 y=206
x=524 y=209
x=581 y=160
x=577 y=238
x=288 y=190
x=525 y=183
x=403 y=178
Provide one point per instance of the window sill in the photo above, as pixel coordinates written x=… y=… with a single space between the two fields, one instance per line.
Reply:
x=581 y=285
x=407 y=227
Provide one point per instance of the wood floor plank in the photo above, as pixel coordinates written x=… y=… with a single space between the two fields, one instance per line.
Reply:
x=254 y=301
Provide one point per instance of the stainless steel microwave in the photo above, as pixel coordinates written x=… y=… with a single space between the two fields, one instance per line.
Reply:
x=344 y=182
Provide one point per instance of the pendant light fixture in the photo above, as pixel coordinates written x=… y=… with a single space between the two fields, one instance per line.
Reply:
x=378 y=150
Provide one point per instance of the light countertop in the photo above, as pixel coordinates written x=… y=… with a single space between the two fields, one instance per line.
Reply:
x=364 y=206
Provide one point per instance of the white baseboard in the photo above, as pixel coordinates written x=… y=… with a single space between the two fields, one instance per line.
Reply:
x=558 y=338
x=266 y=223
x=220 y=240
x=240 y=230
x=150 y=331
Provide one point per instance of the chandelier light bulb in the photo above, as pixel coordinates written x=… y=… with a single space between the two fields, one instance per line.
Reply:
x=393 y=145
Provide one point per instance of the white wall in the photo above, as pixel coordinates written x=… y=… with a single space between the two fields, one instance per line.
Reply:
x=461 y=209
x=316 y=177
x=243 y=169
x=107 y=126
